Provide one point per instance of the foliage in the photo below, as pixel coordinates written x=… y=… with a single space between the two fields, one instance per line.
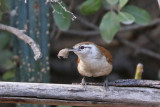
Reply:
x=122 y=3
x=141 y=16
x=124 y=14
x=5 y=59
x=125 y=18
x=5 y=39
x=0 y=15
x=3 y=7
x=90 y=6
x=109 y=26
x=61 y=17
x=118 y=12
x=6 y=54
x=9 y=76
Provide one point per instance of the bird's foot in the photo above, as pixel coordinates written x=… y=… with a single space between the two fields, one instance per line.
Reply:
x=105 y=84
x=83 y=83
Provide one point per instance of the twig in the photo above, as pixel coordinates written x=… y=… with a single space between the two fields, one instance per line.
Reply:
x=25 y=38
x=96 y=32
x=135 y=27
x=139 y=49
x=52 y=34
x=82 y=33
x=58 y=35
x=87 y=23
x=72 y=3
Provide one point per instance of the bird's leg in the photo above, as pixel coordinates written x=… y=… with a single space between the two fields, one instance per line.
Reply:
x=106 y=83
x=83 y=82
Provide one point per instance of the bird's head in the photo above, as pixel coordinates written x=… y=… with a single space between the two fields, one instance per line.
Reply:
x=85 y=49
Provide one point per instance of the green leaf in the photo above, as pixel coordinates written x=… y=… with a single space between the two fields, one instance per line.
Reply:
x=61 y=17
x=109 y=26
x=122 y=3
x=90 y=6
x=5 y=59
x=142 y=17
x=3 y=5
x=126 y=18
x=9 y=64
x=5 y=38
x=8 y=76
x=0 y=15
x=112 y=2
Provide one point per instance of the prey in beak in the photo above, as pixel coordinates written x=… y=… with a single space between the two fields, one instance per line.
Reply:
x=64 y=52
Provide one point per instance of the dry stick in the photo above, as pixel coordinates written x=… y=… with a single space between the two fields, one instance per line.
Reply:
x=58 y=34
x=139 y=49
x=96 y=32
x=20 y=34
x=87 y=23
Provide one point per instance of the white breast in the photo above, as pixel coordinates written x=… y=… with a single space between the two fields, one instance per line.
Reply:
x=94 y=67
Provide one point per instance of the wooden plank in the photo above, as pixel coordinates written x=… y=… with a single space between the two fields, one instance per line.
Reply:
x=64 y=94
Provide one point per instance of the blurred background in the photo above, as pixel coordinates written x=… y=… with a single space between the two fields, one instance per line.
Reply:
x=134 y=39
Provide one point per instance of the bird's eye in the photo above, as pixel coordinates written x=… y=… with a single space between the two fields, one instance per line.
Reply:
x=81 y=47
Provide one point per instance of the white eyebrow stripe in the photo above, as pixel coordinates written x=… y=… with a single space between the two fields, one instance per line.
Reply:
x=87 y=47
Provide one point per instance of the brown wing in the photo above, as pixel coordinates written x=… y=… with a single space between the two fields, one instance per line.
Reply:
x=106 y=53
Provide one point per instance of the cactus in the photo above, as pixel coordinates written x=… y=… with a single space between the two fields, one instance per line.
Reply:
x=34 y=17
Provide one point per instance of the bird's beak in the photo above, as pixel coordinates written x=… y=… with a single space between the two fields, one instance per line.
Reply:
x=74 y=50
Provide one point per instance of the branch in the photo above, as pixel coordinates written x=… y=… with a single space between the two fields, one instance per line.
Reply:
x=25 y=38
x=76 y=95
x=96 y=32
x=136 y=27
x=82 y=33
x=87 y=23
x=139 y=49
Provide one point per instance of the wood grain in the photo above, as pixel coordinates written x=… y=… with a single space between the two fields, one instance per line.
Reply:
x=65 y=94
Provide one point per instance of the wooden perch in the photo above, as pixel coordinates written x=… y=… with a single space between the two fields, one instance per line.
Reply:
x=76 y=95
x=20 y=34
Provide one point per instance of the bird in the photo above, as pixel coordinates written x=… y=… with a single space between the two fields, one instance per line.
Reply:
x=93 y=61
